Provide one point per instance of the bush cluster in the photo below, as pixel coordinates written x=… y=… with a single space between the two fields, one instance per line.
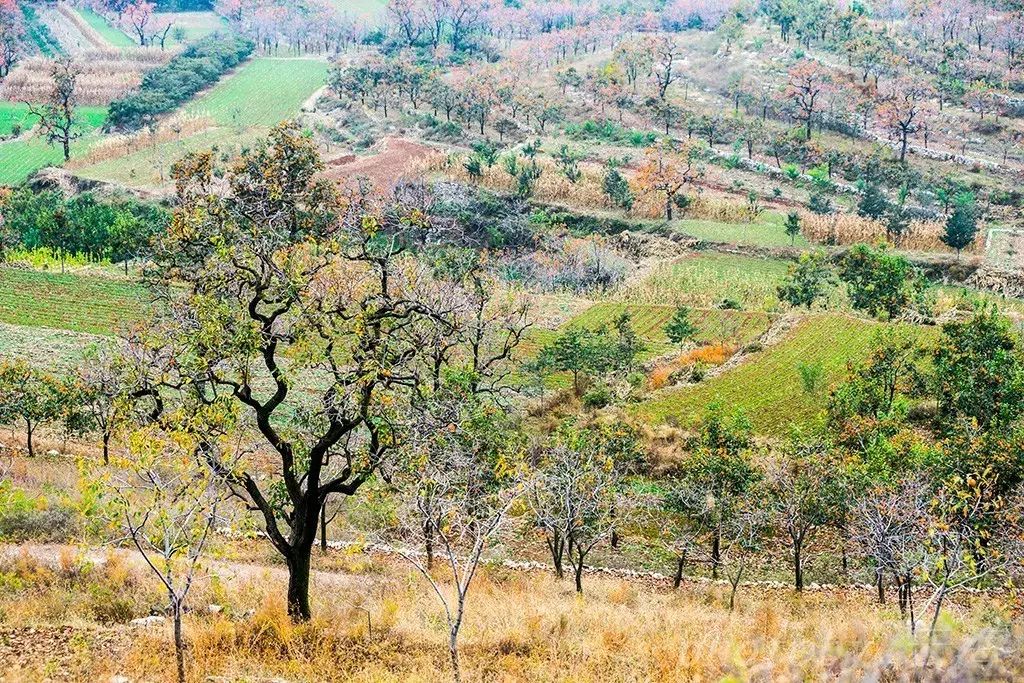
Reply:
x=165 y=88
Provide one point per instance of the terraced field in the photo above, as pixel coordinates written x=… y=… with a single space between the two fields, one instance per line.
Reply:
x=705 y=280
x=94 y=305
x=769 y=231
x=767 y=384
x=111 y=34
x=242 y=112
x=713 y=325
x=27 y=154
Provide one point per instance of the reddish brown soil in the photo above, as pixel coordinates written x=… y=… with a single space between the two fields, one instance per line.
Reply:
x=388 y=162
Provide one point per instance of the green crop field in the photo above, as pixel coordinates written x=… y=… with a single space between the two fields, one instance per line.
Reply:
x=767 y=384
x=738 y=327
x=769 y=231
x=713 y=325
x=705 y=280
x=95 y=305
x=25 y=155
x=14 y=114
x=262 y=93
x=242 y=111
x=111 y=34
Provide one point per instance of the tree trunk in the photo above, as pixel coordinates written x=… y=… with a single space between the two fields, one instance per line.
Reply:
x=428 y=542
x=735 y=586
x=453 y=653
x=323 y=528
x=678 y=579
x=881 y=586
x=578 y=568
x=29 y=427
x=106 y=448
x=798 y=568
x=556 y=544
x=668 y=208
x=299 y=563
x=716 y=554
x=179 y=641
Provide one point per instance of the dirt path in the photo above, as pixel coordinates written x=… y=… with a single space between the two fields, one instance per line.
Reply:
x=53 y=555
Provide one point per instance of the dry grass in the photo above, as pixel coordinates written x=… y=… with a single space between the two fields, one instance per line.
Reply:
x=529 y=627
x=587 y=193
x=377 y=621
x=711 y=355
x=177 y=127
x=845 y=229
x=106 y=75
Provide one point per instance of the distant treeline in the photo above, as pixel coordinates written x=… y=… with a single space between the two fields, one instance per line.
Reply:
x=165 y=88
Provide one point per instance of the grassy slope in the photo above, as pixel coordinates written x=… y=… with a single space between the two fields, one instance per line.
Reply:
x=194 y=25
x=767 y=384
x=769 y=231
x=24 y=156
x=68 y=302
x=368 y=9
x=46 y=348
x=243 y=106
x=111 y=34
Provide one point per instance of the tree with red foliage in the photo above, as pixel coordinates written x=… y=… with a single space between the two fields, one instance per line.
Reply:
x=808 y=81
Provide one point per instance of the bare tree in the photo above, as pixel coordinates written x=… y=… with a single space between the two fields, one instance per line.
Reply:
x=455 y=504
x=167 y=503
x=666 y=55
x=890 y=525
x=575 y=504
x=57 y=117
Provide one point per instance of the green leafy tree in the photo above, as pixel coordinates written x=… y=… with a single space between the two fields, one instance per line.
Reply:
x=792 y=227
x=712 y=479
x=962 y=224
x=679 y=328
x=31 y=396
x=979 y=371
x=807 y=280
x=276 y=276
x=873 y=202
x=881 y=283
x=583 y=352
x=616 y=188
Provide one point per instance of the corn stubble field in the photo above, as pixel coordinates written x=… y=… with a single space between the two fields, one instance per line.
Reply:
x=761 y=390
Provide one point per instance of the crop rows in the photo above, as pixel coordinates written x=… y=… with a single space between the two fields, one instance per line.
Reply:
x=77 y=303
x=239 y=108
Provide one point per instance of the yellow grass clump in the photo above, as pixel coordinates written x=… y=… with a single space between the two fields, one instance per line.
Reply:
x=175 y=128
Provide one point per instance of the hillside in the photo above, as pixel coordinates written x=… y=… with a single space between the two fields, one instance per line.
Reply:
x=414 y=340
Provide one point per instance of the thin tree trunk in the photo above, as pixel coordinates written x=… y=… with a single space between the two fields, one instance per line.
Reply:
x=179 y=641
x=678 y=579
